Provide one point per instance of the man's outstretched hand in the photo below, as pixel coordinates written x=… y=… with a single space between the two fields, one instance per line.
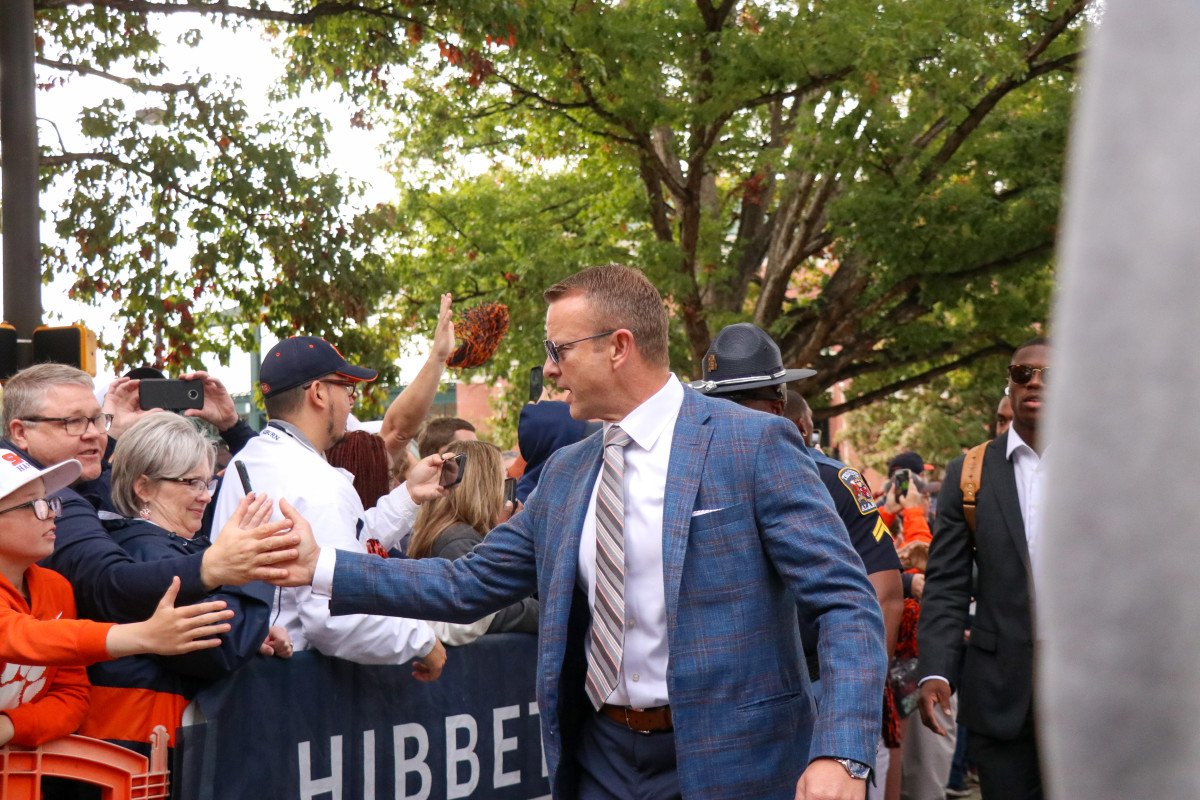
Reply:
x=299 y=571
x=248 y=548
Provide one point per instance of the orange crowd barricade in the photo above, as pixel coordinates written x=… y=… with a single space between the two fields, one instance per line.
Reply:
x=121 y=774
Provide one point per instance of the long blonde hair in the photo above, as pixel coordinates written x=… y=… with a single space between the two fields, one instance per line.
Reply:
x=477 y=501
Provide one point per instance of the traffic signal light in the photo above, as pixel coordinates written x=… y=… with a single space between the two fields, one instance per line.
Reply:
x=9 y=363
x=74 y=345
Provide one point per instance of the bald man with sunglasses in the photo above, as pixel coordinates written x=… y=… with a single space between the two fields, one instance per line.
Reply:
x=994 y=677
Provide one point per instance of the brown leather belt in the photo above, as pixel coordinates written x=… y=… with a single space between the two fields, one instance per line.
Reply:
x=641 y=720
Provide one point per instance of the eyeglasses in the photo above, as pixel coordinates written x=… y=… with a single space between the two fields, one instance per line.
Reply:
x=350 y=387
x=197 y=485
x=77 y=426
x=1021 y=374
x=555 y=350
x=43 y=507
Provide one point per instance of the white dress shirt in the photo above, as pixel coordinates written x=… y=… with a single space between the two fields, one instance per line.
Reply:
x=283 y=464
x=1030 y=474
x=642 y=682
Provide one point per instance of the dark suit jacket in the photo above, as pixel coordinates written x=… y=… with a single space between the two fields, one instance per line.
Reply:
x=995 y=686
x=745 y=725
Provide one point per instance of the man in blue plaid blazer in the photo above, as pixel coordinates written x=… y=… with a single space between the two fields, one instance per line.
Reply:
x=724 y=539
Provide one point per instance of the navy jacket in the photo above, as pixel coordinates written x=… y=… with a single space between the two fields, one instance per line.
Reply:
x=133 y=694
x=110 y=586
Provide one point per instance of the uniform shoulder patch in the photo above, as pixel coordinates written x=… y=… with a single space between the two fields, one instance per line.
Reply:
x=858 y=488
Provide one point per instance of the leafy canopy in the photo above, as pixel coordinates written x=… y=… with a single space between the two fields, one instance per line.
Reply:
x=877 y=184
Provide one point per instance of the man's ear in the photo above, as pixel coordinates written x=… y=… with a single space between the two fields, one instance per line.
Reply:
x=16 y=434
x=621 y=346
x=317 y=395
x=777 y=407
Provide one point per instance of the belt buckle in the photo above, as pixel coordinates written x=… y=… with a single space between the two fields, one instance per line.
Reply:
x=629 y=724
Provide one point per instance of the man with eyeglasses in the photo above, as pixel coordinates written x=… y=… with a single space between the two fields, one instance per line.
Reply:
x=309 y=390
x=670 y=555
x=995 y=681
x=50 y=415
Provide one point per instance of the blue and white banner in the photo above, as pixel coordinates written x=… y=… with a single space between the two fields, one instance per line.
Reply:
x=318 y=728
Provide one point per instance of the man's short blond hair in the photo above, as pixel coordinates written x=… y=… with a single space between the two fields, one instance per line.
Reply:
x=25 y=392
x=621 y=297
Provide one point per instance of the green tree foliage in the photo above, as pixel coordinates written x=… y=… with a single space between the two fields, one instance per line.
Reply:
x=182 y=202
x=877 y=184
x=939 y=419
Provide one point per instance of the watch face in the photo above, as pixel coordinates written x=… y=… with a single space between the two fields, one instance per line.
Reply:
x=856 y=769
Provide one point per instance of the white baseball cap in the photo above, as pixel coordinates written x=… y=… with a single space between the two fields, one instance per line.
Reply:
x=15 y=472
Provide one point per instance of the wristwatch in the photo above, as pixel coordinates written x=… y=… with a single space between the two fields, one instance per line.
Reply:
x=857 y=769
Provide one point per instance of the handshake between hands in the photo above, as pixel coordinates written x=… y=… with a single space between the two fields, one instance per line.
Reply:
x=285 y=552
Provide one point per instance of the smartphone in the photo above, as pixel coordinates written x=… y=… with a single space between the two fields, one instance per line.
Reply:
x=245 y=476
x=901 y=478
x=535 y=384
x=452 y=470
x=510 y=491
x=171 y=395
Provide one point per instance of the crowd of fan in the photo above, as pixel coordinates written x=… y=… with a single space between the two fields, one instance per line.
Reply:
x=150 y=556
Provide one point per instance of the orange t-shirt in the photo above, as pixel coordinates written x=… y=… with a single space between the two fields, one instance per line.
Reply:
x=44 y=688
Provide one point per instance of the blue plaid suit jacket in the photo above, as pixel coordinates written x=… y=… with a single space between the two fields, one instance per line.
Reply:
x=735 y=578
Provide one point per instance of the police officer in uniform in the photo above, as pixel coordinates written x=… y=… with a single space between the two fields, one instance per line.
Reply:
x=744 y=365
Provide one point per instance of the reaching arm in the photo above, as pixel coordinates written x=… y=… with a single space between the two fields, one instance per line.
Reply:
x=393 y=516
x=251 y=605
x=406 y=413
x=109 y=584
x=362 y=638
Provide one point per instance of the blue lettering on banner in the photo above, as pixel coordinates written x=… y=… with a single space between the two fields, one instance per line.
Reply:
x=319 y=728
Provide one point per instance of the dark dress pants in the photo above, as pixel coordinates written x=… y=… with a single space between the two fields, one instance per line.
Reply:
x=1008 y=768
x=619 y=764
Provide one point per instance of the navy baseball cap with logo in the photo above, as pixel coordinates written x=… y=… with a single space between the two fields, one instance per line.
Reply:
x=301 y=359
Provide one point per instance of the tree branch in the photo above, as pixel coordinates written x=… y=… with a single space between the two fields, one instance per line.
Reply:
x=133 y=83
x=66 y=159
x=998 y=92
x=817 y=82
x=868 y=398
x=223 y=8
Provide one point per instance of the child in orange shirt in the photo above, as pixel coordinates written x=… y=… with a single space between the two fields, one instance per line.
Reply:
x=43 y=649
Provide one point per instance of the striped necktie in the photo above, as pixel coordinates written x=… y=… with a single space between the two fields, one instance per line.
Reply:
x=608 y=612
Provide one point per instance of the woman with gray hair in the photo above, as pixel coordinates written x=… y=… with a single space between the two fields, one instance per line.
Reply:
x=162 y=481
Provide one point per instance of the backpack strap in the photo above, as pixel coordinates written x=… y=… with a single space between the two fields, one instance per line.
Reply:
x=972 y=478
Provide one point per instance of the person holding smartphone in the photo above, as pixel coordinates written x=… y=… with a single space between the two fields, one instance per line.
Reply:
x=449 y=527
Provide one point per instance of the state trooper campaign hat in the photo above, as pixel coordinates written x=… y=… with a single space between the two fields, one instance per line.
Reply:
x=302 y=359
x=742 y=357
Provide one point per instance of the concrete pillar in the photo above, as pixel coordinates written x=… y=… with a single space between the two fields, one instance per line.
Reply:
x=1119 y=606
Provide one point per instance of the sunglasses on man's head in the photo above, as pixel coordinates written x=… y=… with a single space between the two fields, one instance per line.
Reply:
x=1021 y=374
